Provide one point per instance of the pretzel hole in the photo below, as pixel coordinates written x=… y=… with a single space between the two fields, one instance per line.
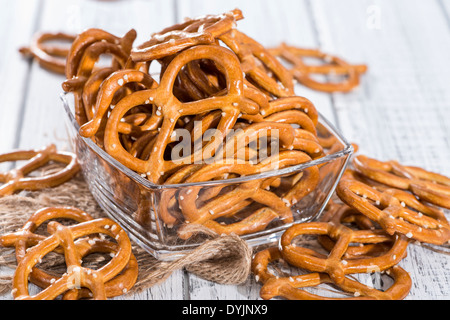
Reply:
x=199 y=79
x=56 y=47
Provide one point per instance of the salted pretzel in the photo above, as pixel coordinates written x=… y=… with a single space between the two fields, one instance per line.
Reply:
x=18 y=178
x=64 y=237
x=198 y=31
x=428 y=186
x=332 y=65
x=26 y=237
x=171 y=109
x=396 y=211
x=255 y=190
x=50 y=57
x=259 y=65
x=343 y=214
x=334 y=264
x=82 y=57
x=293 y=287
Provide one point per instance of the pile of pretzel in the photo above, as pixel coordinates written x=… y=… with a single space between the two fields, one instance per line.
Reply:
x=209 y=73
x=381 y=207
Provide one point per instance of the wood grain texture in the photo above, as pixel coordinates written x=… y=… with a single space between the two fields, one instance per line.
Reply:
x=400 y=111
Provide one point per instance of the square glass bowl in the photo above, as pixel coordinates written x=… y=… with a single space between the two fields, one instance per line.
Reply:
x=144 y=209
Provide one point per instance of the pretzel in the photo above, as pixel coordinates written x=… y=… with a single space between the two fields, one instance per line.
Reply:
x=293 y=287
x=171 y=109
x=26 y=237
x=17 y=179
x=50 y=57
x=259 y=64
x=334 y=264
x=428 y=186
x=110 y=86
x=396 y=211
x=199 y=31
x=65 y=238
x=255 y=190
x=82 y=57
x=332 y=66
x=343 y=214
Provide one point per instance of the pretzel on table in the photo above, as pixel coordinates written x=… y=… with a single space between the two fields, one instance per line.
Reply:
x=332 y=66
x=199 y=31
x=50 y=57
x=293 y=287
x=396 y=211
x=25 y=238
x=64 y=238
x=428 y=186
x=18 y=178
x=334 y=264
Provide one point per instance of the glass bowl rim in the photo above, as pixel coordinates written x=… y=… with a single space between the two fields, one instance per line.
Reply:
x=347 y=150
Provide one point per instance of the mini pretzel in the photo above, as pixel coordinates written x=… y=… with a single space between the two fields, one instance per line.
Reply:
x=396 y=211
x=26 y=237
x=428 y=186
x=259 y=64
x=18 y=179
x=171 y=109
x=198 y=31
x=65 y=237
x=292 y=287
x=110 y=86
x=334 y=264
x=332 y=66
x=49 y=57
x=343 y=214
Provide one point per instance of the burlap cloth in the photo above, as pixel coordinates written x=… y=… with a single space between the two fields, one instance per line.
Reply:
x=222 y=259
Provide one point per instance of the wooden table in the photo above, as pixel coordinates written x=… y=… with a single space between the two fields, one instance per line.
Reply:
x=400 y=111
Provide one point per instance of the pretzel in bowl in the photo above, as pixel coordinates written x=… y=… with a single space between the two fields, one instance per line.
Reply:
x=264 y=70
x=254 y=190
x=293 y=287
x=110 y=86
x=75 y=242
x=332 y=65
x=50 y=57
x=18 y=178
x=171 y=109
x=198 y=31
x=84 y=53
x=428 y=186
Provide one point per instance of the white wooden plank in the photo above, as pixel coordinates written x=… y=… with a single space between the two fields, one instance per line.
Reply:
x=43 y=119
x=402 y=109
x=18 y=19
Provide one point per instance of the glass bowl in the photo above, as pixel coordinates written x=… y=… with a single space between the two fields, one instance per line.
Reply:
x=144 y=209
